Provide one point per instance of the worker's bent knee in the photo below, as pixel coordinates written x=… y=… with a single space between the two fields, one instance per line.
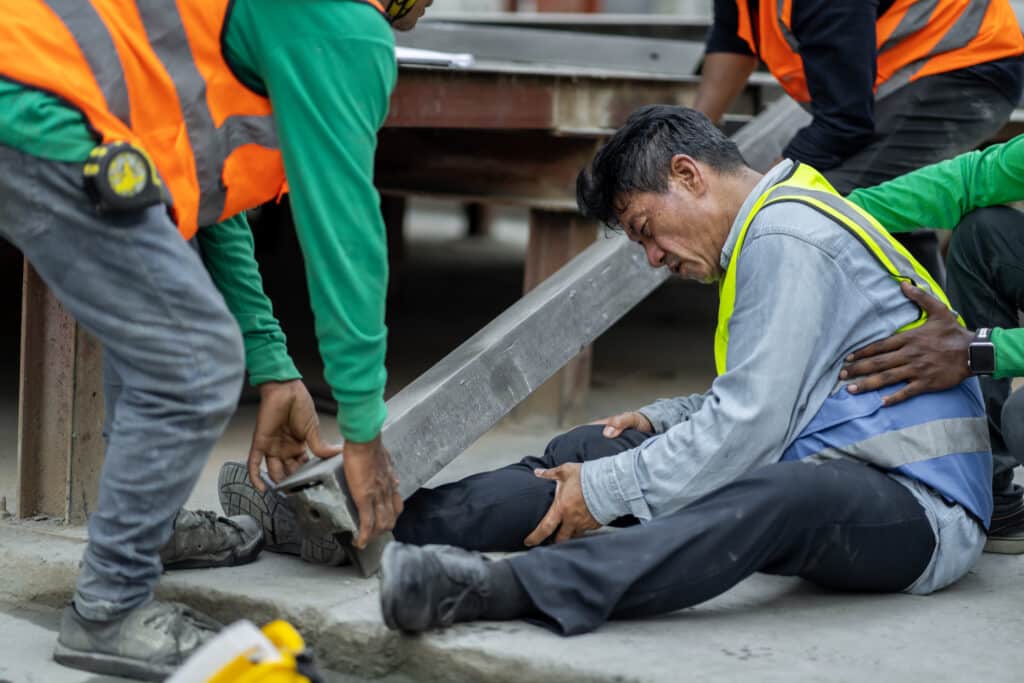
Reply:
x=185 y=378
x=983 y=232
x=570 y=446
x=588 y=442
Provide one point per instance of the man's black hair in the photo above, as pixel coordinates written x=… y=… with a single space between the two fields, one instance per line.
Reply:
x=638 y=157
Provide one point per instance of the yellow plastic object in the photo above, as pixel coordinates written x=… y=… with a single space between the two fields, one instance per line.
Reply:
x=284 y=669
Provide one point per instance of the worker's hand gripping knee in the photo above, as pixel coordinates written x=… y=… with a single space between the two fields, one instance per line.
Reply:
x=374 y=488
x=568 y=515
x=616 y=424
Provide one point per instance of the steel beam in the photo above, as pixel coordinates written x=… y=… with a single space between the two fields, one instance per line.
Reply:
x=446 y=409
x=518 y=44
x=664 y=26
x=556 y=237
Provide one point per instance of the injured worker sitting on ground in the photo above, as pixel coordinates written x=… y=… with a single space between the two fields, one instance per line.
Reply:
x=775 y=469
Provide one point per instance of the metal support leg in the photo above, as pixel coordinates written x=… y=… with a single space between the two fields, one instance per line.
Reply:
x=392 y=208
x=479 y=219
x=556 y=237
x=60 y=409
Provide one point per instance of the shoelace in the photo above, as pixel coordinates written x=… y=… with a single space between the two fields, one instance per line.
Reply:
x=210 y=519
x=472 y=596
x=180 y=622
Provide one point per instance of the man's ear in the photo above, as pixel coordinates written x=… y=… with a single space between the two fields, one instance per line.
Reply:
x=686 y=172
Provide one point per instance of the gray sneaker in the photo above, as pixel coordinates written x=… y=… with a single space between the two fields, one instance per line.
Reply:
x=204 y=539
x=274 y=513
x=147 y=643
x=1006 y=533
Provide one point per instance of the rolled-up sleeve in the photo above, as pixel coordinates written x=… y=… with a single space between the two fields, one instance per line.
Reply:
x=665 y=413
x=783 y=300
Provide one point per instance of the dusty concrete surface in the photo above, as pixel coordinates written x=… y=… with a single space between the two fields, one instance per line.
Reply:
x=766 y=629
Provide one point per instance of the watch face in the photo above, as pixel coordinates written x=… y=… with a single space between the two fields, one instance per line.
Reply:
x=982 y=357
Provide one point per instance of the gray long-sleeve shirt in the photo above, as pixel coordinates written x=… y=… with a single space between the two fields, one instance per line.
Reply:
x=807 y=294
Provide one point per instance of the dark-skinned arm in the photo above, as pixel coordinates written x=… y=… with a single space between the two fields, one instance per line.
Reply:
x=287 y=422
x=940 y=196
x=724 y=76
x=931 y=357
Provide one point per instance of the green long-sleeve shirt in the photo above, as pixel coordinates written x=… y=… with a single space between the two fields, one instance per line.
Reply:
x=940 y=195
x=328 y=68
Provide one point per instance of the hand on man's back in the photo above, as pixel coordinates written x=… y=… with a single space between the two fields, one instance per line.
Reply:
x=932 y=357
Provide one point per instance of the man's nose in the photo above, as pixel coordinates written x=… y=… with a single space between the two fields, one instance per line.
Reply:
x=655 y=256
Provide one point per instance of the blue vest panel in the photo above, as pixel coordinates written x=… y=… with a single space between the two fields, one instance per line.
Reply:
x=939 y=439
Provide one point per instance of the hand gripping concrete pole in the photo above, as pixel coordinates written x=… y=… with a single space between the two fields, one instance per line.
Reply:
x=446 y=409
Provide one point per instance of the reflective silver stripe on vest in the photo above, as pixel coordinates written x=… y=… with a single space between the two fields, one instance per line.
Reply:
x=914 y=19
x=786 y=33
x=881 y=239
x=962 y=32
x=98 y=48
x=919 y=443
x=211 y=146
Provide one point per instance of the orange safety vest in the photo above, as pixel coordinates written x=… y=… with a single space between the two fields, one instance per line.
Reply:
x=915 y=38
x=154 y=74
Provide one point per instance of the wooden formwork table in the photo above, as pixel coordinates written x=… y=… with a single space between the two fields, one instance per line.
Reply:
x=496 y=133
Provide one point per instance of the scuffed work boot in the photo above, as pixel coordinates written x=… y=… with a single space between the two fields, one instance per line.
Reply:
x=1006 y=533
x=281 y=531
x=146 y=643
x=431 y=586
x=203 y=539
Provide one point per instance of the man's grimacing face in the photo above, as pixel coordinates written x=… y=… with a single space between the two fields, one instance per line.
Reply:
x=680 y=228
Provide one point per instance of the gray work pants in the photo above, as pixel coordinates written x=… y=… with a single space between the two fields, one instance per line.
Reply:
x=172 y=353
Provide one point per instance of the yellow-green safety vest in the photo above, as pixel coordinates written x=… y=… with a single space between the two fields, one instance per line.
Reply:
x=806 y=186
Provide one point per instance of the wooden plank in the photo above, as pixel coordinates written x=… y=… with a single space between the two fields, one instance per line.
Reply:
x=60 y=409
x=87 y=446
x=44 y=400
x=435 y=98
x=530 y=97
x=529 y=168
x=555 y=238
x=569 y=5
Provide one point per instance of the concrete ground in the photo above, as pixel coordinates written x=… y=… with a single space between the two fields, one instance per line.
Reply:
x=765 y=629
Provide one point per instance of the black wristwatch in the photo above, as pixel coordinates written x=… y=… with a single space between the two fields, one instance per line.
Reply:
x=981 y=353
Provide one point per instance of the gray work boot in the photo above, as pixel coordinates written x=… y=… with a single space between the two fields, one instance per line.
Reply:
x=204 y=539
x=273 y=511
x=431 y=586
x=146 y=643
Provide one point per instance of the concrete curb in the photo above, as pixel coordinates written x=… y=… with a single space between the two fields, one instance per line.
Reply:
x=336 y=611
x=767 y=629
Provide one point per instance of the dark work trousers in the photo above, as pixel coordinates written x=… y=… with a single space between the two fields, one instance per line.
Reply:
x=986 y=285
x=842 y=525
x=929 y=120
x=496 y=511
